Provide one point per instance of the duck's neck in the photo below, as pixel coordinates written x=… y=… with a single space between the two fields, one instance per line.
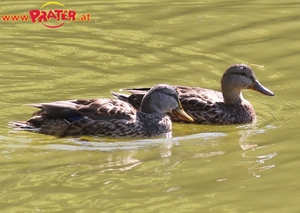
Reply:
x=232 y=95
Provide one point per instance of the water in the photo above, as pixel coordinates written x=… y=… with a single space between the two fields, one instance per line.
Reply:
x=202 y=168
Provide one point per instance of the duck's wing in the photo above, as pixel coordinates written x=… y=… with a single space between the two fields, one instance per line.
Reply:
x=62 y=109
x=190 y=97
x=82 y=117
x=95 y=109
x=104 y=118
x=202 y=104
x=197 y=97
x=105 y=109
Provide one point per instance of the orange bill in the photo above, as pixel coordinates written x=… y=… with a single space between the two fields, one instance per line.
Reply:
x=179 y=112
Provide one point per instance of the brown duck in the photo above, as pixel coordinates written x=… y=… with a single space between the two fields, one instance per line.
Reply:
x=104 y=117
x=212 y=107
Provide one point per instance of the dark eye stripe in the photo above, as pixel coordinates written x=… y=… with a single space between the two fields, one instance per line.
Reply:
x=240 y=73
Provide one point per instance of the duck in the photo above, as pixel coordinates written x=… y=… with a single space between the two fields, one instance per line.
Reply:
x=106 y=117
x=207 y=106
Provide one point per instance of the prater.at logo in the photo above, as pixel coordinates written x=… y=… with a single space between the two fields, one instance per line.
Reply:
x=55 y=18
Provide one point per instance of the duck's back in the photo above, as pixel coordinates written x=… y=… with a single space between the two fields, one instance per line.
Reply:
x=205 y=112
x=206 y=106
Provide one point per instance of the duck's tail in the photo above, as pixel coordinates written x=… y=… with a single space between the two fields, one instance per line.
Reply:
x=133 y=99
x=120 y=96
x=23 y=126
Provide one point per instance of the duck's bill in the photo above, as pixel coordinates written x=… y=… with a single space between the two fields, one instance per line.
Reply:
x=180 y=113
x=260 y=88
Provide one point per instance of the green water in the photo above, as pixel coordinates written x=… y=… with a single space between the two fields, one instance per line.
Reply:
x=202 y=168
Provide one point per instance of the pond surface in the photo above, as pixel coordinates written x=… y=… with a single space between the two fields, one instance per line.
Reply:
x=202 y=168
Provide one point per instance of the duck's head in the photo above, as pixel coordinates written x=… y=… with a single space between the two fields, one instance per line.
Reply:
x=163 y=98
x=239 y=77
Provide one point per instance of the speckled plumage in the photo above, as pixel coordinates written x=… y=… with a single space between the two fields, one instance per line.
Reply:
x=104 y=117
x=212 y=107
